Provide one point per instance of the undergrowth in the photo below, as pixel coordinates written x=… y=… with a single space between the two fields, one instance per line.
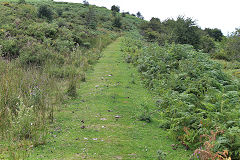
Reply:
x=195 y=95
x=25 y=107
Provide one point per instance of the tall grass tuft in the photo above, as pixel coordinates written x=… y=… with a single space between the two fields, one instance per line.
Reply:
x=25 y=106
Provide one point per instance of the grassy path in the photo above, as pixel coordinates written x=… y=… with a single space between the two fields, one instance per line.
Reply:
x=112 y=89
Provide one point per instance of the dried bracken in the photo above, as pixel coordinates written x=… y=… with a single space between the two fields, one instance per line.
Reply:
x=207 y=153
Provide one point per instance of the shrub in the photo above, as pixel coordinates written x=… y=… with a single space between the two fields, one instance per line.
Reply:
x=28 y=12
x=59 y=12
x=45 y=12
x=232 y=48
x=215 y=33
x=91 y=19
x=117 y=22
x=34 y=55
x=41 y=31
x=228 y=49
x=10 y=48
x=207 y=44
x=123 y=14
x=21 y=1
x=63 y=46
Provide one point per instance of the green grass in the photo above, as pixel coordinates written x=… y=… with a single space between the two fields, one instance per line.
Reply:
x=105 y=137
x=26 y=1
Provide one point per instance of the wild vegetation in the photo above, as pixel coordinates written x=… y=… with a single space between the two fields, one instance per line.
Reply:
x=182 y=31
x=46 y=48
x=196 y=97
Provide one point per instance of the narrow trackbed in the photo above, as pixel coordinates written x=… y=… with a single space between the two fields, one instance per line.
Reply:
x=102 y=123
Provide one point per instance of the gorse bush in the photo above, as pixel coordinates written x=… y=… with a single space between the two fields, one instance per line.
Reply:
x=45 y=12
x=195 y=95
x=10 y=48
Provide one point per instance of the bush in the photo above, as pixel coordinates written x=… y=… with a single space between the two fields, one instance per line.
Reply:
x=207 y=44
x=232 y=48
x=59 y=12
x=229 y=48
x=34 y=55
x=123 y=14
x=42 y=31
x=215 y=33
x=91 y=19
x=10 y=48
x=45 y=12
x=21 y=1
x=117 y=22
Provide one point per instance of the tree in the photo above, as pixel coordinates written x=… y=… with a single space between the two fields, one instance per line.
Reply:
x=187 y=31
x=91 y=19
x=139 y=15
x=115 y=8
x=154 y=23
x=45 y=11
x=215 y=33
x=85 y=3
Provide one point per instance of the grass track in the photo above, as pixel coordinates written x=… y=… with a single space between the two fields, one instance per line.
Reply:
x=112 y=89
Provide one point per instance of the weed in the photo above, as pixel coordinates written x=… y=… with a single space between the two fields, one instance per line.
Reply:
x=161 y=155
x=145 y=114
x=72 y=88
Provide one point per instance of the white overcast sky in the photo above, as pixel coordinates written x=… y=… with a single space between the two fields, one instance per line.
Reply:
x=222 y=14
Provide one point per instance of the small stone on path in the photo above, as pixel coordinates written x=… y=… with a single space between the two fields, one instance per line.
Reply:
x=103 y=119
